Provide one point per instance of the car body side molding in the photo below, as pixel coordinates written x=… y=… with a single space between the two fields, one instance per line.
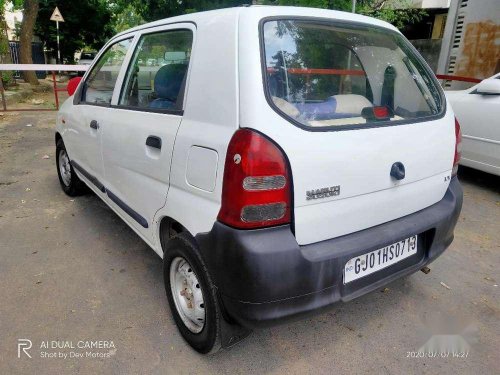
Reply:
x=127 y=209
x=88 y=176
x=133 y=214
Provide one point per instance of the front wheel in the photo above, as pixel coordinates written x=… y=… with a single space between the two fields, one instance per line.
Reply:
x=191 y=295
x=70 y=183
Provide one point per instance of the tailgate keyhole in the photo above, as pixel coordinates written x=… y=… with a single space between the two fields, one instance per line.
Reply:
x=398 y=170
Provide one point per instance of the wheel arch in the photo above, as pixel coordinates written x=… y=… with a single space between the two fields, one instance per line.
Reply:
x=192 y=212
x=168 y=227
x=57 y=137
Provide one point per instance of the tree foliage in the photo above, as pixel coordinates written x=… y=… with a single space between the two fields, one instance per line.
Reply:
x=87 y=23
x=325 y=4
x=5 y=58
x=125 y=16
x=152 y=10
x=398 y=12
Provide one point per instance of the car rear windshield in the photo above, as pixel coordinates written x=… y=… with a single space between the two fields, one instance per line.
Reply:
x=325 y=74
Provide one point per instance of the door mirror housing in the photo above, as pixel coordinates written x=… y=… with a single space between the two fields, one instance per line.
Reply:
x=490 y=86
x=72 y=85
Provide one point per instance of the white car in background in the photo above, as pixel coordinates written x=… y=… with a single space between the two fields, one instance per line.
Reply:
x=478 y=112
x=87 y=58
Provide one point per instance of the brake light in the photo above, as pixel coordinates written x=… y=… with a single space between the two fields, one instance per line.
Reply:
x=256 y=190
x=458 y=148
x=379 y=113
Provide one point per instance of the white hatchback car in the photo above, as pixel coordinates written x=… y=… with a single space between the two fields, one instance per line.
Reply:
x=292 y=158
x=478 y=111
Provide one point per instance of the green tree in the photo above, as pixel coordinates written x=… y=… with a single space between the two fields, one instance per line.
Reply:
x=398 y=12
x=5 y=57
x=152 y=10
x=325 y=4
x=86 y=23
x=125 y=16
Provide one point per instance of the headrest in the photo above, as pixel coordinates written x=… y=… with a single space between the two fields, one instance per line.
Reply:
x=286 y=107
x=351 y=103
x=168 y=81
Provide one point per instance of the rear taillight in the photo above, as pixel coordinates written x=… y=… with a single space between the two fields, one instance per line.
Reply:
x=458 y=148
x=256 y=190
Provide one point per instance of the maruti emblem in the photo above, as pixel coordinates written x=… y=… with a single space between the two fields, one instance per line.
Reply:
x=323 y=192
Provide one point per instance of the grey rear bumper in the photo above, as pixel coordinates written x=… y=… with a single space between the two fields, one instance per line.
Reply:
x=264 y=276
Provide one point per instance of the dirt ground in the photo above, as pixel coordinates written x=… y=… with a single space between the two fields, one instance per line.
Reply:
x=71 y=271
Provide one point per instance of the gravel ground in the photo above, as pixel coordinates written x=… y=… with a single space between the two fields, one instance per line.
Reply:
x=71 y=271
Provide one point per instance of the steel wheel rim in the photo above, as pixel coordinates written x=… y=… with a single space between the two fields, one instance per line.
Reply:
x=64 y=168
x=188 y=297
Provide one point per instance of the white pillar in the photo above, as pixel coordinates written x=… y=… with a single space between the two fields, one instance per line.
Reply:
x=58 y=49
x=449 y=30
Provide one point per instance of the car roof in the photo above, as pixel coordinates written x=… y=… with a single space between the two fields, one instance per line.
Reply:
x=259 y=12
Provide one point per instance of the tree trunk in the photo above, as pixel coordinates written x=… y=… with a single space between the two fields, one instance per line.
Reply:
x=30 y=12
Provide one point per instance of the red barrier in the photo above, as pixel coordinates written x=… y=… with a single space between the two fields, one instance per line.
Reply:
x=349 y=72
x=458 y=78
x=306 y=71
x=39 y=67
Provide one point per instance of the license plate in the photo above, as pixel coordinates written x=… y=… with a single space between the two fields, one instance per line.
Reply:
x=374 y=261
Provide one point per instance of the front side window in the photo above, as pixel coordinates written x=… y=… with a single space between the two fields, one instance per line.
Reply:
x=100 y=82
x=320 y=74
x=158 y=70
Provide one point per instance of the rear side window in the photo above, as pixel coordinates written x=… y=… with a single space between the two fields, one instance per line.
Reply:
x=157 y=73
x=320 y=74
x=100 y=82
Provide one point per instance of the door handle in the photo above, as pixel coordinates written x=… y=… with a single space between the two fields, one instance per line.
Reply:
x=154 y=141
x=94 y=124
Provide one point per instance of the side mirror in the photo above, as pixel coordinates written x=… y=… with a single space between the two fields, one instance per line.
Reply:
x=72 y=85
x=490 y=86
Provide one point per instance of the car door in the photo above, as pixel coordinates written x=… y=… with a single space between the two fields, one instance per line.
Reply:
x=140 y=129
x=478 y=115
x=85 y=135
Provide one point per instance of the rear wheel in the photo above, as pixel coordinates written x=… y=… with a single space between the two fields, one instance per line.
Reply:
x=70 y=183
x=191 y=295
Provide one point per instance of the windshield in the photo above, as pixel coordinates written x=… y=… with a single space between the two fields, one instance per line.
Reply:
x=321 y=74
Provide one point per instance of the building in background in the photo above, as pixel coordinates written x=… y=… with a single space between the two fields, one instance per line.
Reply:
x=427 y=35
x=471 y=41
x=13 y=19
x=458 y=37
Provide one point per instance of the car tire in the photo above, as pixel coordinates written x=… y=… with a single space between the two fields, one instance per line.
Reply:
x=70 y=183
x=182 y=261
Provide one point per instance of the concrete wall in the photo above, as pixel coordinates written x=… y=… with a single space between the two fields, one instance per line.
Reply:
x=429 y=4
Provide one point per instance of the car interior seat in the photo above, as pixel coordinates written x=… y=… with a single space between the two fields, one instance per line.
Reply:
x=167 y=85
